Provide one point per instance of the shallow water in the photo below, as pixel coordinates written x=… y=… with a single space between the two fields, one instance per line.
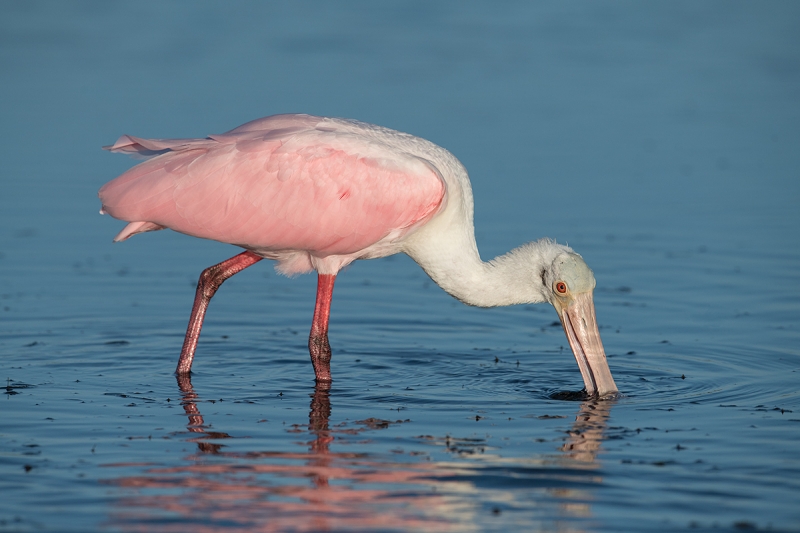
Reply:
x=659 y=141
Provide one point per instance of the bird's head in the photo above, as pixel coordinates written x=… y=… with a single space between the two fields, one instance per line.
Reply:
x=568 y=284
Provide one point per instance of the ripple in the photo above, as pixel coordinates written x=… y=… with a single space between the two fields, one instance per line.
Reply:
x=715 y=375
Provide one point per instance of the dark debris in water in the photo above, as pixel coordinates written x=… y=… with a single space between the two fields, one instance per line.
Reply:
x=134 y=396
x=341 y=429
x=739 y=525
x=758 y=408
x=378 y=423
x=460 y=446
x=653 y=463
x=13 y=386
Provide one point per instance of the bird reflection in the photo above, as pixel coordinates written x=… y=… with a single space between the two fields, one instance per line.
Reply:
x=580 y=450
x=318 y=418
x=586 y=434
x=323 y=490
x=196 y=423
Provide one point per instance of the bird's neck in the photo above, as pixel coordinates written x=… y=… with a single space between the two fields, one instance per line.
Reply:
x=456 y=266
x=445 y=248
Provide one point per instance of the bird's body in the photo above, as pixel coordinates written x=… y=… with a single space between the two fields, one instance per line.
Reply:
x=317 y=193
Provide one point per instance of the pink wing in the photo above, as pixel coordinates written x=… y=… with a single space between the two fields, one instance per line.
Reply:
x=276 y=184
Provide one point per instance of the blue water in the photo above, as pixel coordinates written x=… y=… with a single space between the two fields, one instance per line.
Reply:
x=659 y=140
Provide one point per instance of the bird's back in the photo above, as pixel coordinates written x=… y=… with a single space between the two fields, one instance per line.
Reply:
x=281 y=185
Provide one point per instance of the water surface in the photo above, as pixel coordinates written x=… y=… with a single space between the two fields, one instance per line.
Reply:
x=659 y=141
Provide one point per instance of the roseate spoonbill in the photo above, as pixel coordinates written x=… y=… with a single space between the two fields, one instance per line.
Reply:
x=317 y=193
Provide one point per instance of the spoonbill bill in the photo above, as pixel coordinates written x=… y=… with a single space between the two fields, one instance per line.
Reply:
x=316 y=193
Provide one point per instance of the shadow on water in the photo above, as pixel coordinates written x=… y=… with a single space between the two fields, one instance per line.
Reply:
x=315 y=488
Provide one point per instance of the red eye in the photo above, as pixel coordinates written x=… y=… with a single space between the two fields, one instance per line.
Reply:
x=561 y=287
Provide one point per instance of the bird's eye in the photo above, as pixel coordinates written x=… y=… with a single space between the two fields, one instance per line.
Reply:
x=561 y=287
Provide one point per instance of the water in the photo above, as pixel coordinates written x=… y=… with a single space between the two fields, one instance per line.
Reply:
x=657 y=140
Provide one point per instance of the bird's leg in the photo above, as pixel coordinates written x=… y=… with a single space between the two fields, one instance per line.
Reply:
x=210 y=280
x=318 y=344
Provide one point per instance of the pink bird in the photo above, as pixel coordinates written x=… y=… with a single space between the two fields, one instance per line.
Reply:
x=315 y=193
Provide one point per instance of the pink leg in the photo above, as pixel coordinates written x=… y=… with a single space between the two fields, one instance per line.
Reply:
x=210 y=281
x=318 y=344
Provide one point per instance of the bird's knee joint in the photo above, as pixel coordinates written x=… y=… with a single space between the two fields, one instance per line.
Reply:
x=209 y=282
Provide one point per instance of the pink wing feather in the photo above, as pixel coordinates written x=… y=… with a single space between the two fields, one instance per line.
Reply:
x=275 y=184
